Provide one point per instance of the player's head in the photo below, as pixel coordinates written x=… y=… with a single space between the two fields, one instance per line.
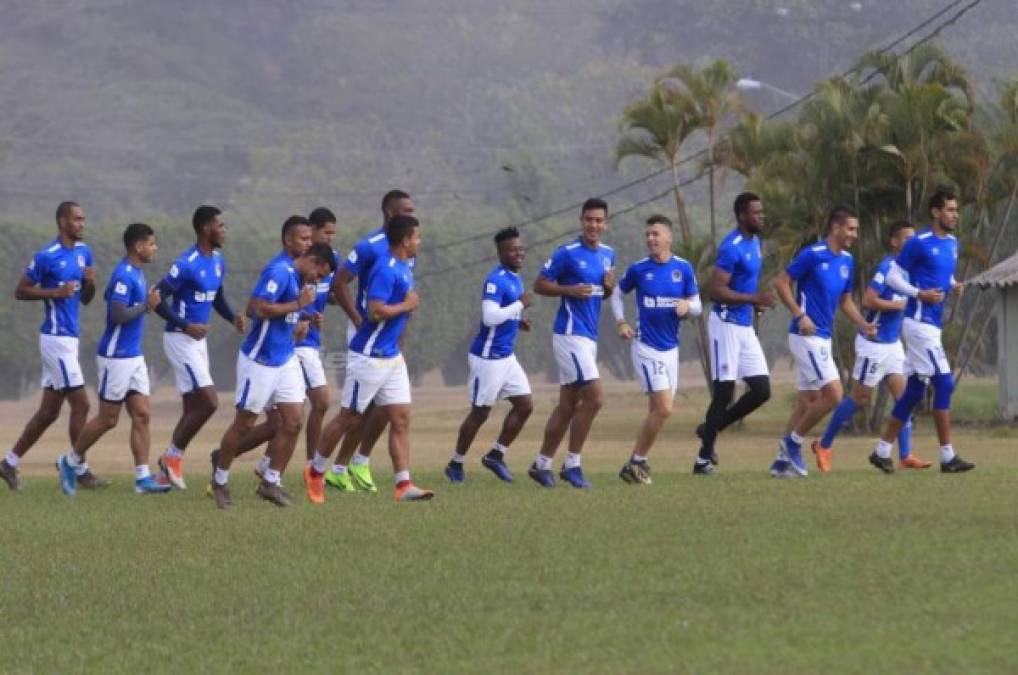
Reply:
x=140 y=242
x=944 y=210
x=843 y=226
x=323 y=226
x=749 y=212
x=317 y=263
x=658 y=235
x=296 y=235
x=593 y=220
x=209 y=225
x=511 y=251
x=899 y=232
x=397 y=203
x=71 y=220
x=404 y=235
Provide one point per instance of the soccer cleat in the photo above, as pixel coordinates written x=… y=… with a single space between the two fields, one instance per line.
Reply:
x=704 y=468
x=913 y=462
x=956 y=465
x=10 y=475
x=494 y=461
x=314 y=483
x=149 y=486
x=824 y=457
x=68 y=478
x=885 y=464
x=700 y=431
x=173 y=469
x=793 y=451
x=780 y=467
x=635 y=473
x=455 y=473
x=543 y=477
x=574 y=476
x=411 y=493
x=360 y=476
x=90 y=481
x=340 y=481
x=221 y=494
x=272 y=492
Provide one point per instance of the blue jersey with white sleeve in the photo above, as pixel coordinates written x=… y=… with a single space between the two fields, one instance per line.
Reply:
x=314 y=336
x=740 y=256
x=195 y=279
x=822 y=277
x=55 y=266
x=888 y=323
x=504 y=287
x=575 y=263
x=658 y=286
x=270 y=341
x=127 y=286
x=929 y=261
x=391 y=280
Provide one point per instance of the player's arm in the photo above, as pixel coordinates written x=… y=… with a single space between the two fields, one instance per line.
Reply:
x=550 y=288
x=847 y=305
x=896 y=280
x=871 y=300
x=223 y=309
x=88 y=284
x=783 y=289
x=165 y=310
x=29 y=290
x=265 y=300
x=122 y=312
x=722 y=293
x=378 y=310
x=341 y=295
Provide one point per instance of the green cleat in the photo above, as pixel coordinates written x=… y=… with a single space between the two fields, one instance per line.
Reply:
x=340 y=481
x=361 y=476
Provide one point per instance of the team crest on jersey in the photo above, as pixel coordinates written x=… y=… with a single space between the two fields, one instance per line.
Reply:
x=583 y=264
x=935 y=251
x=824 y=266
x=676 y=275
x=63 y=263
x=844 y=272
x=201 y=273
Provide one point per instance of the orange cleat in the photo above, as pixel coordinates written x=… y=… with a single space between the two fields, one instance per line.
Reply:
x=913 y=462
x=825 y=457
x=315 y=485
x=412 y=493
x=172 y=471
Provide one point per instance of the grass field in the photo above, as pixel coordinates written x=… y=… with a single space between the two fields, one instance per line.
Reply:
x=848 y=572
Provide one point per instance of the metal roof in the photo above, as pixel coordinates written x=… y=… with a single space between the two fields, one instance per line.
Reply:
x=1001 y=275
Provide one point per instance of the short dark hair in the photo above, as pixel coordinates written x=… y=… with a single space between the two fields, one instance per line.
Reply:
x=658 y=219
x=897 y=226
x=202 y=215
x=64 y=210
x=743 y=201
x=594 y=203
x=399 y=228
x=322 y=253
x=320 y=216
x=392 y=196
x=292 y=222
x=136 y=232
x=839 y=214
x=506 y=233
x=940 y=199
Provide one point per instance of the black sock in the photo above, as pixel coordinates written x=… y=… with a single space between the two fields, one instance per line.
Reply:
x=723 y=393
x=758 y=393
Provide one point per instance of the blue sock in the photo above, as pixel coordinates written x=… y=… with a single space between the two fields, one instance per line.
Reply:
x=841 y=417
x=905 y=439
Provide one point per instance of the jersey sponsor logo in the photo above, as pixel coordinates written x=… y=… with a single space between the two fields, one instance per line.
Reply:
x=323 y=287
x=271 y=286
x=657 y=301
x=293 y=317
x=207 y=296
x=120 y=288
x=596 y=290
x=490 y=288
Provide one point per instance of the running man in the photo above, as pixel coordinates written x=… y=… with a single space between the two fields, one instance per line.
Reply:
x=581 y=273
x=61 y=275
x=122 y=372
x=929 y=261
x=495 y=374
x=666 y=292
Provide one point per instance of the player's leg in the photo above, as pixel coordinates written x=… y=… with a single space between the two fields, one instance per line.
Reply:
x=360 y=387
x=512 y=425
x=70 y=464
x=44 y=417
x=399 y=452
x=471 y=424
x=754 y=372
x=229 y=447
x=320 y=400
x=358 y=455
x=198 y=407
x=869 y=368
x=137 y=405
x=554 y=431
x=281 y=447
x=483 y=385
x=659 y=409
x=896 y=383
x=590 y=399
x=724 y=348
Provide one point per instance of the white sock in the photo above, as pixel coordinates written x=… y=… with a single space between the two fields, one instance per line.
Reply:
x=401 y=476
x=221 y=476
x=319 y=463
x=946 y=453
x=884 y=449
x=12 y=459
x=459 y=459
x=796 y=438
x=339 y=469
x=263 y=464
x=272 y=477
x=174 y=451
x=543 y=463
x=501 y=448
x=141 y=471
x=572 y=460
x=73 y=458
x=81 y=469
x=358 y=458
x=639 y=458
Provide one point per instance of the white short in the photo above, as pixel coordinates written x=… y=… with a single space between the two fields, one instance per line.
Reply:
x=120 y=377
x=656 y=370
x=260 y=387
x=311 y=367
x=60 y=367
x=351 y=331
x=576 y=357
x=814 y=361
x=493 y=380
x=924 y=351
x=735 y=351
x=372 y=380
x=190 y=361
x=876 y=360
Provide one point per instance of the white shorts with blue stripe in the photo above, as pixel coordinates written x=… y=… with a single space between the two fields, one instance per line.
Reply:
x=190 y=361
x=576 y=357
x=656 y=370
x=260 y=387
x=120 y=377
x=924 y=350
x=311 y=367
x=876 y=360
x=493 y=380
x=375 y=380
x=814 y=361
x=60 y=367
x=735 y=351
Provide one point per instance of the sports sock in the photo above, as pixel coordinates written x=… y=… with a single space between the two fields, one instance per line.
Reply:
x=796 y=438
x=884 y=449
x=81 y=469
x=141 y=472
x=905 y=439
x=639 y=459
x=401 y=478
x=501 y=448
x=458 y=458
x=174 y=452
x=263 y=464
x=841 y=417
x=947 y=453
x=358 y=459
x=339 y=469
x=572 y=460
x=12 y=459
x=543 y=463
x=272 y=476
x=73 y=458
x=757 y=393
x=221 y=476
x=319 y=464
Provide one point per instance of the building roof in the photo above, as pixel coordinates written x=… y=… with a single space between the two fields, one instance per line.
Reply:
x=1001 y=275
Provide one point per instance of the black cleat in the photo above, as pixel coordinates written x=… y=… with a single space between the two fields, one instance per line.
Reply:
x=885 y=464
x=700 y=431
x=701 y=468
x=956 y=465
x=273 y=493
x=635 y=473
x=10 y=475
x=90 y=481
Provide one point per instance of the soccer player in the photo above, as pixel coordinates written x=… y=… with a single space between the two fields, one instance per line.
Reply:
x=122 y=372
x=376 y=372
x=62 y=277
x=735 y=350
x=877 y=359
x=929 y=260
x=268 y=372
x=191 y=289
x=495 y=374
x=823 y=276
x=582 y=273
x=666 y=292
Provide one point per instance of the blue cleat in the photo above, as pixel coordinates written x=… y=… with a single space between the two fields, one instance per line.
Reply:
x=497 y=466
x=68 y=477
x=574 y=476
x=793 y=451
x=150 y=486
x=455 y=473
x=543 y=477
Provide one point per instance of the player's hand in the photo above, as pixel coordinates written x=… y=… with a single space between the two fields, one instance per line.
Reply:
x=609 y=281
x=411 y=302
x=88 y=275
x=526 y=299
x=196 y=331
x=958 y=288
x=240 y=323
x=301 y=331
x=154 y=298
x=806 y=325
x=307 y=295
x=931 y=296
x=64 y=291
x=626 y=331
x=580 y=291
x=525 y=324
x=317 y=319
x=357 y=321
x=869 y=329
x=764 y=300
x=681 y=307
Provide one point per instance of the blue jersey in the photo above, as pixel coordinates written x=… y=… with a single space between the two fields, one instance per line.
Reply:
x=740 y=256
x=362 y=259
x=888 y=323
x=658 y=287
x=270 y=342
x=391 y=280
x=314 y=336
x=55 y=266
x=504 y=287
x=822 y=277
x=929 y=261
x=195 y=280
x=127 y=286
x=572 y=264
